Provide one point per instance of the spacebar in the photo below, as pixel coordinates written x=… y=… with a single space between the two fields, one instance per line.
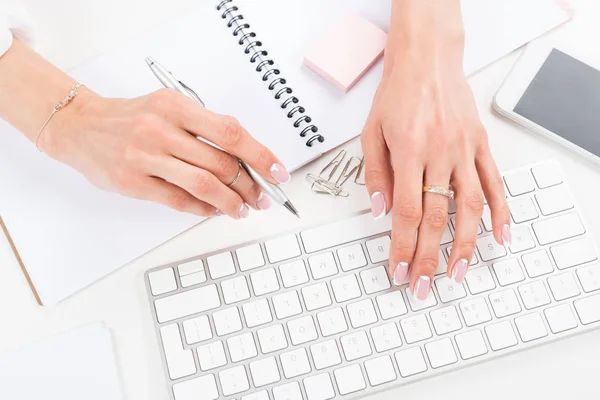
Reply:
x=344 y=231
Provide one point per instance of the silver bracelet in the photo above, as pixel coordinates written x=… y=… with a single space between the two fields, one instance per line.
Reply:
x=57 y=107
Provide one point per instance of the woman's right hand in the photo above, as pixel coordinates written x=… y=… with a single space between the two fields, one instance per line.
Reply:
x=146 y=148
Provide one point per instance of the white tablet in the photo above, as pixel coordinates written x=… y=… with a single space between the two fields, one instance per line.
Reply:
x=554 y=90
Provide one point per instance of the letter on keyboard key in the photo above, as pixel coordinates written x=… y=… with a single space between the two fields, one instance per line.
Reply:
x=480 y=280
x=289 y=391
x=522 y=210
x=391 y=305
x=379 y=249
x=589 y=277
x=250 y=257
x=187 y=303
x=588 y=309
x=295 y=363
x=180 y=362
x=410 y=362
x=417 y=304
x=332 y=322
x=325 y=354
x=554 y=200
x=211 y=356
x=282 y=248
x=475 y=311
x=521 y=239
x=375 y=280
x=197 y=329
x=531 y=327
x=386 y=337
x=287 y=304
x=505 y=303
x=272 y=339
x=221 y=265
x=227 y=321
x=293 y=274
x=352 y=257
x=257 y=313
x=349 y=379
x=380 y=370
x=537 y=263
x=235 y=290
x=322 y=265
x=241 y=347
x=501 y=335
x=560 y=318
x=574 y=253
x=534 y=294
x=489 y=249
x=234 y=380
x=552 y=230
x=264 y=372
x=302 y=330
x=547 y=174
x=190 y=389
x=162 y=281
x=508 y=271
x=415 y=328
x=356 y=345
x=563 y=286
x=264 y=281
x=519 y=182
x=445 y=320
x=471 y=344
x=362 y=313
x=319 y=387
x=345 y=288
x=316 y=296
x=449 y=290
x=441 y=353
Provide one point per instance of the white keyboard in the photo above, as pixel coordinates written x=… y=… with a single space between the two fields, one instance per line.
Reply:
x=312 y=315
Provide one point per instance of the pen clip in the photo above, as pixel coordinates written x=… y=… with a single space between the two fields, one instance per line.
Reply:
x=192 y=93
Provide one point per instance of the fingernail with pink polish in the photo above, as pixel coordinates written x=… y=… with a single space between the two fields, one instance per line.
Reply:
x=219 y=213
x=400 y=273
x=263 y=202
x=422 y=287
x=506 y=235
x=460 y=270
x=280 y=174
x=244 y=211
x=378 y=205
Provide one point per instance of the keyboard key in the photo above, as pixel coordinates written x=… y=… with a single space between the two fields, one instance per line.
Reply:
x=563 y=286
x=197 y=330
x=386 y=337
x=262 y=395
x=325 y=354
x=508 y=271
x=322 y=266
x=221 y=265
x=380 y=370
x=415 y=328
x=211 y=356
x=375 y=280
x=289 y=391
x=449 y=290
x=356 y=345
x=287 y=304
x=442 y=266
x=349 y=379
x=257 y=313
x=162 y=281
x=293 y=274
x=193 y=301
x=264 y=281
x=332 y=322
x=589 y=278
x=522 y=210
x=418 y=305
x=547 y=174
x=271 y=339
x=410 y=362
x=362 y=313
x=534 y=294
x=189 y=390
x=319 y=387
x=574 y=253
x=480 y=280
x=471 y=344
x=531 y=327
x=316 y=296
x=352 y=257
x=501 y=335
x=295 y=363
x=447 y=236
x=537 y=263
x=521 y=239
x=250 y=257
x=264 y=372
x=554 y=200
x=302 y=330
x=379 y=249
x=588 y=309
x=560 y=318
x=558 y=228
x=489 y=249
x=519 y=182
x=345 y=288
x=241 y=347
x=486 y=218
x=505 y=303
x=227 y=321
x=282 y=248
x=235 y=290
x=475 y=311
x=180 y=362
x=441 y=353
x=391 y=305
x=191 y=273
x=445 y=320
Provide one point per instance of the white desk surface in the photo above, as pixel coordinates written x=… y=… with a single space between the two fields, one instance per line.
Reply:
x=72 y=31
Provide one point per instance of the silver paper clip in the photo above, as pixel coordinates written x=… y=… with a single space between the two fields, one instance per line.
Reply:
x=359 y=173
x=333 y=165
x=321 y=186
x=345 y=175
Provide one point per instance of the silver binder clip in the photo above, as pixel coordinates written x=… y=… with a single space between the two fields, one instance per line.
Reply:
x=333 y=165
x=359 y=179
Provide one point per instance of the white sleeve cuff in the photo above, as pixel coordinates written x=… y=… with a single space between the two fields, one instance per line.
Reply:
x=15 y=21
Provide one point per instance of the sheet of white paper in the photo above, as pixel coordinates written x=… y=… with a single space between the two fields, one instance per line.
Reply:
x=79 y=364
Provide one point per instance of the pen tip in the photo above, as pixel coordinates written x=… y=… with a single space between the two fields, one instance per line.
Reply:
x=149 y=61
x=291 y=208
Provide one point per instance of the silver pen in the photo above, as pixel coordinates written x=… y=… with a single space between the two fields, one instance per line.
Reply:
x=169 y=81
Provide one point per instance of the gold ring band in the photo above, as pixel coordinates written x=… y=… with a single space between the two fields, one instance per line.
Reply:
x=444 y=191
x=237 y=177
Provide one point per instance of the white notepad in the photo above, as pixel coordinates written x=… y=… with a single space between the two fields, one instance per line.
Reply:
x=69 y=234
x=76 y=365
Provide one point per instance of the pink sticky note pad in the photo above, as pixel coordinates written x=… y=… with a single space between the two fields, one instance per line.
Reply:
x=347 y=51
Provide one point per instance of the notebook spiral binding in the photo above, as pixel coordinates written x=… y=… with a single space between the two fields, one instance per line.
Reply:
x=253 y=47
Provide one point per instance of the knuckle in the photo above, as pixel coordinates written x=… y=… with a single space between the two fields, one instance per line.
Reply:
x=409 y=214
x=465 y=247
x=265 y=158
x=473 y=202
x=436 y=218
x=428 y=262
x=120 y=179
x=231 y=132
x=163 y=98
x=202 y=184
x=402 y=250
x=226 y=165
x=179 y=201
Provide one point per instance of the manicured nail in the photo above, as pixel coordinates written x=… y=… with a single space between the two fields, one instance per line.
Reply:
x=219 y=213
x=506 y=235
x=400 y=273
x=422 y=287
x=244 y=211
x=263 y=202
x=460 y=270
x=280 y=174
x=378 y=205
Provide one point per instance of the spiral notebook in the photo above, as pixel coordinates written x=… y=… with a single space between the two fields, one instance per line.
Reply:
x=243 y=58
